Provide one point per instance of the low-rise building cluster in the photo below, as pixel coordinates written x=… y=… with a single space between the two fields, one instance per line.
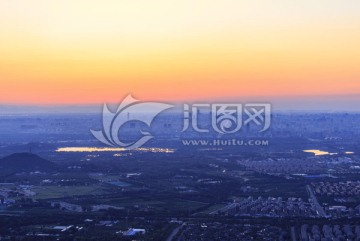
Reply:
x=230 y=232
x=284 y=166
x=330 y=233
x=273 y=207
x=342 y=211
x=344 y=189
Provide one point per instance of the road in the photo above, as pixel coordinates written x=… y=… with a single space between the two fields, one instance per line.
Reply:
x=318 y=207
x=224 y=209
x=293 y=234
x=174 y=232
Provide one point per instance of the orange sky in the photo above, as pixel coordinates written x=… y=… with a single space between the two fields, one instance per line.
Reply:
x=77 y=52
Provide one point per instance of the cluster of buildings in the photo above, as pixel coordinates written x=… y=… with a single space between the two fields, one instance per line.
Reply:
x=67 y=206
x=229 y=232
x=330 y=233
x=342 y=211
x=273 y=207
x=84 y=230
x=5 y=201
x=344 y=189
x=284 y=166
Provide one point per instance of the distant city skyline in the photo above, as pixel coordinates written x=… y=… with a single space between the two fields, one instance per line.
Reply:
x=326 y=104
x=295 y=54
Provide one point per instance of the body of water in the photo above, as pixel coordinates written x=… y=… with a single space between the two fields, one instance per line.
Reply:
x=113 y=149
x=119 y=184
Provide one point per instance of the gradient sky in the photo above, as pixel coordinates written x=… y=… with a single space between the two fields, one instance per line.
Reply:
x=87 y=51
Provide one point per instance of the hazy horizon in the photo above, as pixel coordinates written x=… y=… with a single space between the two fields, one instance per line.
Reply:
x=336 y=103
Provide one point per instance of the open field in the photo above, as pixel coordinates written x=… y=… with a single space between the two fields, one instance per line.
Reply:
x=48 y=192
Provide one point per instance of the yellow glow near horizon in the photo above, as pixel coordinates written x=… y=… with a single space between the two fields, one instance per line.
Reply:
x=58 y=52
x=320 y=153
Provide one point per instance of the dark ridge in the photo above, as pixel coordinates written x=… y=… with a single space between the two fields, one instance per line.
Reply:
x=27 y=162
